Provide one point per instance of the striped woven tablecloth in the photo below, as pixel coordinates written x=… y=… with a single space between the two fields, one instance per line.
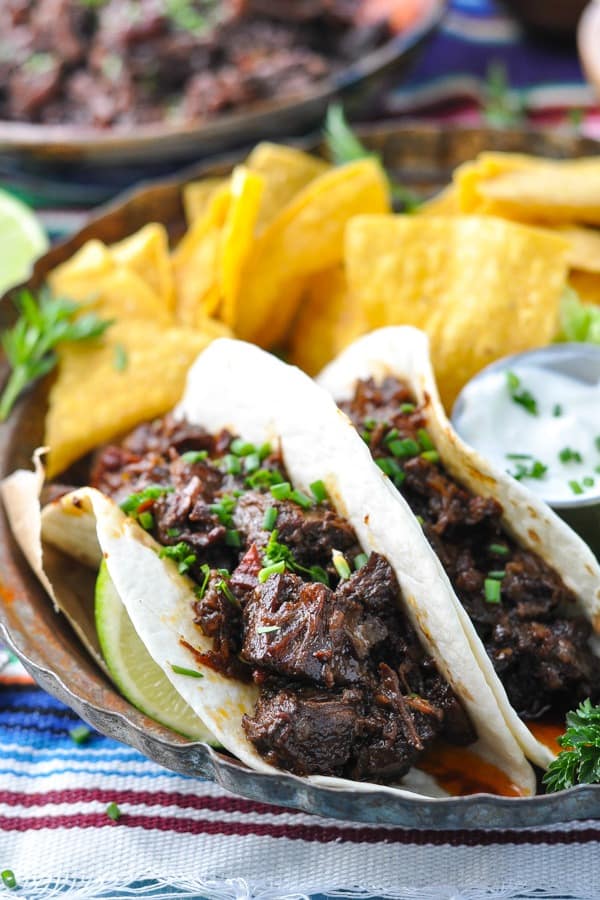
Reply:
x=183 y=837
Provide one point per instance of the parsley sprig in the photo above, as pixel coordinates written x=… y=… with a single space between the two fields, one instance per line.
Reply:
x=30 y=344
x=579 y=762
x=343 y=147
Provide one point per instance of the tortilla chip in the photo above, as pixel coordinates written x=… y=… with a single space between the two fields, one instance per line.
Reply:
x=146 y=252
x=480 y=287
x=584 y=247
x=306 y=237
x=468 y=177
x=587 y=285
x=77 y=276
x=445 y=203
x=121 y=294
x=328 y=320
x=137 y=371
x=197 y=196
x=196 y=262
x=246 y=189
x=286 y=171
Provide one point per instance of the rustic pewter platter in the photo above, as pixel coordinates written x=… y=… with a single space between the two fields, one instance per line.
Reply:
x=423 y=158
x=358 y=83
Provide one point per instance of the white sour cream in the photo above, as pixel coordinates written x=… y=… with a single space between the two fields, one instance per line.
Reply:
x=567 y=423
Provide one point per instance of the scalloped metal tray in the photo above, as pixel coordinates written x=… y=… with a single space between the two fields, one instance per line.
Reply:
x=423 y=157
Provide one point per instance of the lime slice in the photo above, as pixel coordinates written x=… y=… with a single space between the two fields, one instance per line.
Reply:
x=22 y=239
x=138 y=677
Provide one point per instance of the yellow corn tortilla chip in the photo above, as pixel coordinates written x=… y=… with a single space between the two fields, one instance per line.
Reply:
x=246 y=190
x=137 y=371
x=468 y=177
x=584 y=247
x=197 y=196
x=121 y=294
x=329 y=318
x=146 y=252
x=196 y=262
x=587 y=285
x=306 y=237
x=285 y=172
x=445 y=203
x=480 y=287
x=77 y=276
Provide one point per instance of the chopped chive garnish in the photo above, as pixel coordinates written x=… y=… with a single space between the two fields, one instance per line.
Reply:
x=319 y=491
x=173 y=532
x=588 y=481
x=301 y=499
x=232 y=538
x=8 y=879
x=369 y=424
x=576 y=487
x=557 y=410
x=523 y=397
x=270 y=518
x=264 y=478
x=315 y=572
x=200 y=590
x=281 y=491
x=519 y=456
x=267 y=629
x=567 y=454
x=407 y=408
x=251 y=463
x=132 y=503
x=180 y=553
x=431 y=456
x=224 y=588
x=360 y=560
x=341 y=564
x=274 y=569
x=420 y=520
x=113 y=812
x=264 y=450
x=499 y=549
x=146 y=520
x=194 y=456
x=223 y=509
x=232 y=464
x=241 y=448
x=120 y=358
x=79 y=734
x=537 y=470
x=191 y=673
x=497 y=573
x=424 y=439
x=392 y=434
x=492 y=590
x=405 y=447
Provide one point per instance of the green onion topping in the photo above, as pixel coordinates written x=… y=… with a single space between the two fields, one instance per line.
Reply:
x=113 y=812
x=8 y=879
x=431 y=456
x=191 y=673
x=407 y=408
x=523 y=397
x=588 y=481
x=274 y=569
x=360 y=560
x=146 y=520
x=194 y=456
x=492 y=590
x=79 y=734
x=499 y=549
x=569 y=455
x=281 y=491
x=241 y=448
x=424 y=439
x=319 y=491
x=576 y=487
x=557 y=410
x=341 y=564
x=301 y=499
x=200 y=590
x=267 y=629
x=224 y=589
x=232 y=538
x=232 y=464
x=270 y=518
x=497 y=573
x=403 y=448
x=180 y=553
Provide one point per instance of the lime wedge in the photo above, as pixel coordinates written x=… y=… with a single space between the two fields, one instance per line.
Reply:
x=137 y=676
x=22 y=239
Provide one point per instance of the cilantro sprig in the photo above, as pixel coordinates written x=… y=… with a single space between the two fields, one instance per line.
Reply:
x=344 y=146
x=31 y=343
x=579 y=762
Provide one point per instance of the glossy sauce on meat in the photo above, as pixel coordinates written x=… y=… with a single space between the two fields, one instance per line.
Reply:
x=345 y=686
x=543 y=657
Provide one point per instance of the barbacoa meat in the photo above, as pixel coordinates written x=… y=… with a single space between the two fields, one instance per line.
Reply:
x=114 y=63
x=538 y=645
x=345 y=685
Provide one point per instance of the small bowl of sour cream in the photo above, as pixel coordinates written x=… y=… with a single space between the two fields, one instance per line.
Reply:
x=537 y=416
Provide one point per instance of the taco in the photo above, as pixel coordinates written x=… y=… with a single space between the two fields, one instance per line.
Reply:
x=268 y=569
x=526 y=587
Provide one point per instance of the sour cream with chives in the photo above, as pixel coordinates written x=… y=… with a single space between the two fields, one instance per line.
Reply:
x=537 y=416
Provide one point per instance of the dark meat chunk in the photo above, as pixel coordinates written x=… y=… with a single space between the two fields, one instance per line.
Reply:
x=318 y=636
x=33 y=85
x=160 y=435
x=244 y=578
x=221 y=620
x=59 y=26
x=304 y=730
x=118 y=472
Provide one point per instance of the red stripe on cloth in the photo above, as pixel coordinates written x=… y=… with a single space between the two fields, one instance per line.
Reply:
x=310 y=833
x=147 y=798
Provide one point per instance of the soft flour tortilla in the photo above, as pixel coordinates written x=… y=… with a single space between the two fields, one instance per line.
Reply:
x=403 y=352
x=237 y=386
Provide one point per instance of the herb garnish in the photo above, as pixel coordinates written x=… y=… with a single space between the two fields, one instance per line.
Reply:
x=194 y=456
x=270 y=518
x=557 y=410
x=276 y=552
x=575 y=487
x=181 y=670
x=360 y=560
x=30 y=344
x=79 y=734
x=113 y=812
x=567 y=454
x=492 y=589
x=138 y=505
x=340 y=564
x=579 y=762
x=120 y=358
x=180 y=553
x=536 y=469
x=520 y=395
x=499 y=549
x=267 y=629
x=8 y=879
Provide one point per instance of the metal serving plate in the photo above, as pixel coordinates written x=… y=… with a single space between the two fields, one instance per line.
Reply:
x=54 y=145
x=423 y=157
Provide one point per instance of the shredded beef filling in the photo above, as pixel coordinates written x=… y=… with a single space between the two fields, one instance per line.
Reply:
x=345 y=686
x=114 y=63
x=542 y=657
